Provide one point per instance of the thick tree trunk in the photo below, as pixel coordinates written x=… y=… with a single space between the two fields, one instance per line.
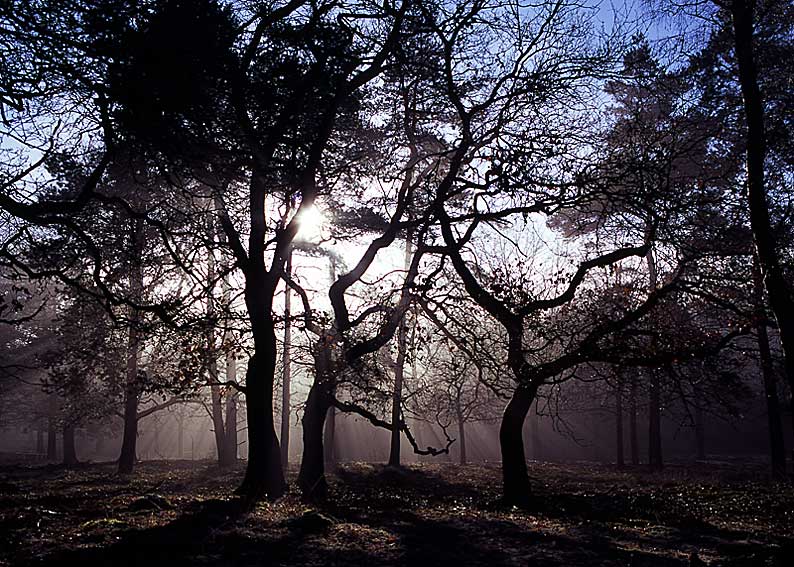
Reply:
x=634 y=445
x=619 y=421
x=515 y=480
x=69 y=449
x=129 y=442
x=311 y=477
x=264 y=476
x=777 y=450
x=778 y=290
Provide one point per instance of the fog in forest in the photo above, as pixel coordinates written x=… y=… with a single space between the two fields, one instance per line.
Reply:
x=411 y=282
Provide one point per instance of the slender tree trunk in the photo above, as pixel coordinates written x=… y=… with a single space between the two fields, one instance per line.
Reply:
x=515 y=479
x=534 y=420
x=99 y=446
x=52 y=407
x=311 y=477
x=777 y=450
x=396 y=410
x=230 y=442
x=654 y=390
x=211 y=360
x=231 y=413
x=654 y=421
x=156 y=440
x=40 y=438
x=69 y=450
x=634 y=445
x=218 y=423
x=462 y=433
x=700 y=433
x=619 y=420
x=329 y=439
x=286 y=365
x=131 y=388
x=399 y=371
x=780 y=294
x=329 y=435
x=180 y=437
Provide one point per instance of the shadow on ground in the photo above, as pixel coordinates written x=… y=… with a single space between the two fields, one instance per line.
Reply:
x=424 y=515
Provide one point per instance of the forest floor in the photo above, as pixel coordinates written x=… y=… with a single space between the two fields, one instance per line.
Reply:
x=181 y=513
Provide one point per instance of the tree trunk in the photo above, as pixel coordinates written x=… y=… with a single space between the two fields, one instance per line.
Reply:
x=780 y=297
x=216 y=396
x=69 y=450
x=99 y=446
x=40 y=438
x=516 y=487
x=52 y=406
x=218 y=424
x=619 y=420
x=286 y=365
x=654 y=421
x=633 y=438
x=180 y=436
x=396 y=409
x=654 y=391
x=231 y=414
x=777 y=450
x=700 y=432
x=329 y=437
x=399 y=372
x=264 y=476
x=534 y=420
x=230 y=442
x=131 y=388
x=311 y=477
x=128 y=454
x=462 y=433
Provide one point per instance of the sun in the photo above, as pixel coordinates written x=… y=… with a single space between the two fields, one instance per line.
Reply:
x=310 y=224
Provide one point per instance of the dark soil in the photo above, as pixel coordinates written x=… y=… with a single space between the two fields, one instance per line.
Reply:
x=181 y=513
